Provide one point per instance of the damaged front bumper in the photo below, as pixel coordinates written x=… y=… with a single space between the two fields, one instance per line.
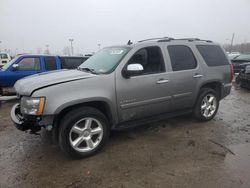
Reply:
x=32 y=123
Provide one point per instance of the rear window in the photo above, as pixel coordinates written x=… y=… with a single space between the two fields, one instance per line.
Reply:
x=213 y=55
x=72 y=63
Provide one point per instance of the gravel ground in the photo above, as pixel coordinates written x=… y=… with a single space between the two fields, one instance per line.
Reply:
x=178 y=152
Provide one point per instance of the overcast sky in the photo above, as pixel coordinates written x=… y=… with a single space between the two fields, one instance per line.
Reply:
x=30 y=24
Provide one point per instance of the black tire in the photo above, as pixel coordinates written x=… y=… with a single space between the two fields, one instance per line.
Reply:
x=69 y=120
x=197 y=111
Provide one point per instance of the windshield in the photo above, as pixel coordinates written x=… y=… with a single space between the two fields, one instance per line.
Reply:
x=3 y=56
x=6 y=66
x=104 y=61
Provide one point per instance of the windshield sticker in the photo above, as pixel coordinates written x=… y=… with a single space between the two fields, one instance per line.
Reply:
x=116 y=52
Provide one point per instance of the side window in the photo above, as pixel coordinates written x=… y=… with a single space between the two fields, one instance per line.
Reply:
x=29 y=64
x=213 y=55
x=72 y=63
x=150 y=58
x=50 y=63
x=182 y=57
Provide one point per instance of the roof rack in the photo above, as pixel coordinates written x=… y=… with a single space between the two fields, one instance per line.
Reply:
x=159 y=38
x=167 y=39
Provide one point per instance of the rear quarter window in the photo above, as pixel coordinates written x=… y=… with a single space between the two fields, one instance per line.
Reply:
x=213 y=55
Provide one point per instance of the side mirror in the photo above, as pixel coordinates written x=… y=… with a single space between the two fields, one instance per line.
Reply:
x=15 y=67
x=132 y=69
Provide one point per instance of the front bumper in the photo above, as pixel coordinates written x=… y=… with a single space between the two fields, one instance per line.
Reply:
x=244 y=80
x=22 y=123
x=33 y=123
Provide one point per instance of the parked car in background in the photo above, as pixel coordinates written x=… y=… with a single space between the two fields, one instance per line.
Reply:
x=4 y=58
x=238 y=62
x=232 y=55
x=243 y=79
x=121 y=87
x=26 y=65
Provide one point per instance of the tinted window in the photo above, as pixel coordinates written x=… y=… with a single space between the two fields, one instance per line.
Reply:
x=29 y=64
x=150 y=58
x=213 y=55
x=50 y=63
x=72 y=63
x=182 y=58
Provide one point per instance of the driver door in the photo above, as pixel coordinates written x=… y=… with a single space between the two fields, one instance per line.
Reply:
x=148 y=93
x=26 y=66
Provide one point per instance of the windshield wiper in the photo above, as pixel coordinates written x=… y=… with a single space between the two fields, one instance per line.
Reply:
x=87 y=70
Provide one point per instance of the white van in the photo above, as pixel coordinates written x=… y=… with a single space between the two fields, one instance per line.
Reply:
x=4 y=58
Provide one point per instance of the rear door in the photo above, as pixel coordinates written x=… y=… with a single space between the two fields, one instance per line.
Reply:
x=50 y=63
x=185 y=76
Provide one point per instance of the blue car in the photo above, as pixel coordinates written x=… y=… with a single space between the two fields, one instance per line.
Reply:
x=26 y=65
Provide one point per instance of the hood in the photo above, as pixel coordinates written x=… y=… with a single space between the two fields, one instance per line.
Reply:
x=28 y=84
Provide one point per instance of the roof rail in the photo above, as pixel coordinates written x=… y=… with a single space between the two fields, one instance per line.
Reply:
x=167 y=39
x=193 y=39
x=159 y=38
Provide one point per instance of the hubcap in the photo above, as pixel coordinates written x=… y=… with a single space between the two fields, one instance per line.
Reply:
x=208 y=105
x=86 y=134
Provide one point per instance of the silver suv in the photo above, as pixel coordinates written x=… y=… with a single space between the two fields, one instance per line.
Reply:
x=121 y=87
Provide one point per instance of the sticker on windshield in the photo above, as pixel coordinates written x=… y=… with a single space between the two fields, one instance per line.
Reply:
x=116 y=52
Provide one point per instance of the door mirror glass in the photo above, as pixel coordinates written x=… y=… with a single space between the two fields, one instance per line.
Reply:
x=15 y=67
x=133 y=69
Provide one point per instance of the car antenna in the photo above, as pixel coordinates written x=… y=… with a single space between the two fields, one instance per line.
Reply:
x=129 y=42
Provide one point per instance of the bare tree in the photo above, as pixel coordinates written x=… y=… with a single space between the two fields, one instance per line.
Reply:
x=242 y=48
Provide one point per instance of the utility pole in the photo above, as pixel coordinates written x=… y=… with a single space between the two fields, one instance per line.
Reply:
x=47 y=49
x=71 y=45
x=232 y=41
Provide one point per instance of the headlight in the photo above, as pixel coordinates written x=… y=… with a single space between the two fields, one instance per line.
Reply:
x=32 y=105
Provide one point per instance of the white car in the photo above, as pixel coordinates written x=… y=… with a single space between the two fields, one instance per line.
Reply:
x=4 y=58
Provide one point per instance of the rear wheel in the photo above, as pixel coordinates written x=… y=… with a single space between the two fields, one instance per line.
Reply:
x=83 y=132
x=207 y=105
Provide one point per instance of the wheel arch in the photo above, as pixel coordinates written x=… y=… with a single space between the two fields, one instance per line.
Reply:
x=101 y=105
x=215 y=85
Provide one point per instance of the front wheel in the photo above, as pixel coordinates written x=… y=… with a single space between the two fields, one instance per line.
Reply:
x=83 y=132
x=206 y=105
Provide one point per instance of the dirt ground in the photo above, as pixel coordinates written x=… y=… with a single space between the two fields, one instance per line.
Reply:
x=178 y=152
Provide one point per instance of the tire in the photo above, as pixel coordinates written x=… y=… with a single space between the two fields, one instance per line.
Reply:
x=83 y=132
x=202 y=110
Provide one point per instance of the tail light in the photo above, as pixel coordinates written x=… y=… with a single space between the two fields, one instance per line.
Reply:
x=231 y=72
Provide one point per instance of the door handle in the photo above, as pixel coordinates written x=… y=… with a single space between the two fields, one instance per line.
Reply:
x=162 y=81
x=198 y=76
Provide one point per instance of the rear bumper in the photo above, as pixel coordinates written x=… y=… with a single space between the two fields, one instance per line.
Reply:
x=7 y=91
x=226 y=88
